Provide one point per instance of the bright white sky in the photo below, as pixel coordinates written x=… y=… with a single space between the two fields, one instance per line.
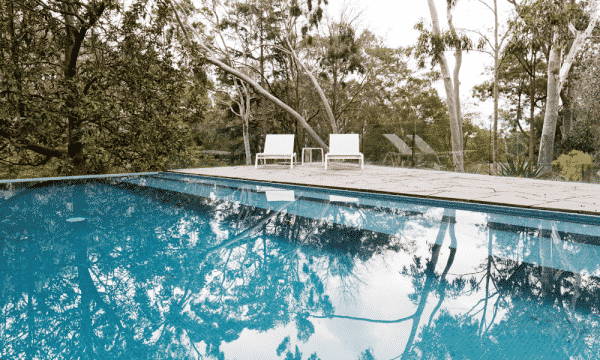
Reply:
x=394 y=20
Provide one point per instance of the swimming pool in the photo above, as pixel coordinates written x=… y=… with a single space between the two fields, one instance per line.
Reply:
x=165 y=265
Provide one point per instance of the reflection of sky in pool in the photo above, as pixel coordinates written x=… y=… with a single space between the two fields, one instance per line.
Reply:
x=171 y=266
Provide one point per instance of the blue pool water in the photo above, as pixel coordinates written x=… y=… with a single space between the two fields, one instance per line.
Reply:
x=167 y=266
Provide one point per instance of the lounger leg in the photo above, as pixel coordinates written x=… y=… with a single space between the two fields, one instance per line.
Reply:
x=256 y=163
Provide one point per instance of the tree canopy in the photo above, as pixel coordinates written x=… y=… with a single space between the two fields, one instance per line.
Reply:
x=100 y=87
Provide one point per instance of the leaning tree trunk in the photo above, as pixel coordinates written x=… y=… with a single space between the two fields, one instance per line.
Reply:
x=211 y=58
x=320 y=91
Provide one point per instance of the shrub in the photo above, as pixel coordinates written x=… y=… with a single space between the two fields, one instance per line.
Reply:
x=582 y=138
x=518 y=168
x=191 y=157
x=573 y=165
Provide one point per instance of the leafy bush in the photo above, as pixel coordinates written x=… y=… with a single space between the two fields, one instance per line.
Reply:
x=573 y=165
x=596 y=159
x=582 y=138
x=190 y=158
x=518 y=168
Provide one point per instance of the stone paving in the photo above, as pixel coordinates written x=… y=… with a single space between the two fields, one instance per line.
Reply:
x=531 y=193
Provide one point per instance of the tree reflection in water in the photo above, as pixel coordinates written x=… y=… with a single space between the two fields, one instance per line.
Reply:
x=547 y=313
x=158 y=275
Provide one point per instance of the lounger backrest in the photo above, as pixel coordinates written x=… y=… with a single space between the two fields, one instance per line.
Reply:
x=399 y=144
x=344 y=144
x=421 y=144
x=276 y=144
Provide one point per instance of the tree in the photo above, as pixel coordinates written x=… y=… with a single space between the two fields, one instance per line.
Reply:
x=515 y=78
x=340 y=56
x=317 y=87
x=77 y=95
x=242 y=99
x=77 y=19
x=200 y=48
x=496 y=49
x=557 y=76
x=434 y=44
x=524 y=46
x=585 y=91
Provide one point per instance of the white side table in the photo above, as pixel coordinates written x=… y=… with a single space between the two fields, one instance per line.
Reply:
x=310 y=154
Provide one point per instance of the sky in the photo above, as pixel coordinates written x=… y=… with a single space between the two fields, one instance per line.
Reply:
x=394 y=20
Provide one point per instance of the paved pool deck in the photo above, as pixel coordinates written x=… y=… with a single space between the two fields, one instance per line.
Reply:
x=571 y=197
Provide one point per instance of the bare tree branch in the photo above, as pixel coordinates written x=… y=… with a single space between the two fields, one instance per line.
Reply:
x=209 y=56
x=316 y=85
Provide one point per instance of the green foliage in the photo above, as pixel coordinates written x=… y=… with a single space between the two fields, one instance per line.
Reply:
x=433 y=45
x=573 y=165
x=123 y=105
x=342 y=51
x=374 y=145
x=518 y=167
x=192 y=157
x=10 y=171
x=582 y=138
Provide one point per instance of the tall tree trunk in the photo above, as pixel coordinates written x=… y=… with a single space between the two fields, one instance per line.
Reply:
x=245 y=112
x=557 y=76
x=334 y=89
x=246 y=121
x=297 y=102
x=74 y=136
x=247 y=142
x=551 y=116
x=75 y=38
x=496 y=76
x=262 y=103
x=453 y=106
x=532 y=110
x=457 y=66
x=567 y=118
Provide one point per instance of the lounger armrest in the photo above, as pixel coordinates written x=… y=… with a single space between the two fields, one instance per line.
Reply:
x=344 y=154
x=265 y=154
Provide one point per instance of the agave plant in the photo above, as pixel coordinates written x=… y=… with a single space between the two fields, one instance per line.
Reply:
x=517 y=168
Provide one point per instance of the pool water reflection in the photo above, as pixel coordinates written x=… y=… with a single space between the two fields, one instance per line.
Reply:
x=182 y=267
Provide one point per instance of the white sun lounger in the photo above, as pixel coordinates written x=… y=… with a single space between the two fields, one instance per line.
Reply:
x=278 y=146
x=344 y=146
